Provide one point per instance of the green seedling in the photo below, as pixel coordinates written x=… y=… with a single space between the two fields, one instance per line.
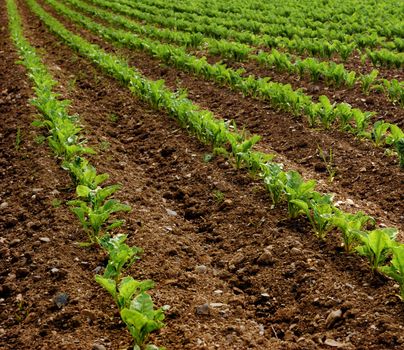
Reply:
x=379 y=132
x=328 y=162
x=350 y=225
x=136 y=307
x=376 y=245
x=94 y=210
x=400 y=150
x=320 y=212
x=105 y=145
x=367 y=80
x=40 y=139
x=56 y=203
x=297 y=189
x=275 y=181
x=18 y=139
x=113 y=117
x=326 y=112
x=83 y=173
x=218 y=196
x=120 y=255
x=396 y=269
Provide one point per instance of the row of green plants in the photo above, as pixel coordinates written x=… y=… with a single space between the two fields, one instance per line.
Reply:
x=322 y=113
x=340 y=21
x=95 y=206
x=320 y=47
x=332 y=73
x=287 y=30
x=378 y=244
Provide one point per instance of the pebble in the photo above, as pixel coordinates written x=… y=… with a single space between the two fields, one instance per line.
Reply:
x=3 y=205
x=44 y=239
x=171 y=212
x=14 y=242
x=203 y=309
x=218 y=292
x=61 y=300
x=289 y=336
x=22 y=272
x=334 y=343
x=333 y=318
x=99 y=347
x=216 y=305
x=266 y=258
x=295 y=251
x=201 y=269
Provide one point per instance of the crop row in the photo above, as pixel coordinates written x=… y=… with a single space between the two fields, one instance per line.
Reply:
x=279 y=95
x=300 y=15
x=332 y=73
x=95 y=206
x=288 y=30
x=321 y=47
x=377 y=244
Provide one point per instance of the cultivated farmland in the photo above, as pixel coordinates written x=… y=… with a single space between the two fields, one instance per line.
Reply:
x=202 y=174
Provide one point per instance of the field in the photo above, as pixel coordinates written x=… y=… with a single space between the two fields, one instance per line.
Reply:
x=201 y=174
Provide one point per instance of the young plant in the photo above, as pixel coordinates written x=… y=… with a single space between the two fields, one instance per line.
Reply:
x=320 y=212
x=328 y=162
x=350 y=225
x=275 y=180
x=396 y=269
x=326 y=112
x=379 y=132
x=18 y=139
x=120 y=255
x=94 y=210
x=297 y=189
x=83 y=173
x=136 y=308
x=367 y=80
x=376 y=245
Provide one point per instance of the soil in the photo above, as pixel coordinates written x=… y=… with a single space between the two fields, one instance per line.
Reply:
x=236 y=273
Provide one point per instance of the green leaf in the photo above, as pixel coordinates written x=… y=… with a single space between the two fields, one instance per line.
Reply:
x=83 y=191
x=108 y=284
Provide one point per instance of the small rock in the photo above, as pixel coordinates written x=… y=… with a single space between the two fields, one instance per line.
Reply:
x=228 y=202
x=89 y=314
x=55 y=192
x=201 y=269
x=14 y=242
x=99 y=347
x=171 y=212
x=218 y=292
x=265 y=258
x=333 y=318
x=334 y=343
x=61 y=300
x=349 y=201
x=3 y=205
x=289 y=336
x=216 y=305
x=44 y=239
x=22 y=272
x=295 y=251
x=203 y=309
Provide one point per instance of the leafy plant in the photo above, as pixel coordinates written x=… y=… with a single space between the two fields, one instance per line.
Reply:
x=94 y=211
x=379 y=132
x=396 y=269
x=368 y=79
x=297 y=189
x=120 y=255
x=376 y=245
x=83 y=173
x=136 y=307
x=275 y=181
x=320 y=212
x=350 y=225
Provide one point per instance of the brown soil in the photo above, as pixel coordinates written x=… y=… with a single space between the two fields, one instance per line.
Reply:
x=268 y=282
